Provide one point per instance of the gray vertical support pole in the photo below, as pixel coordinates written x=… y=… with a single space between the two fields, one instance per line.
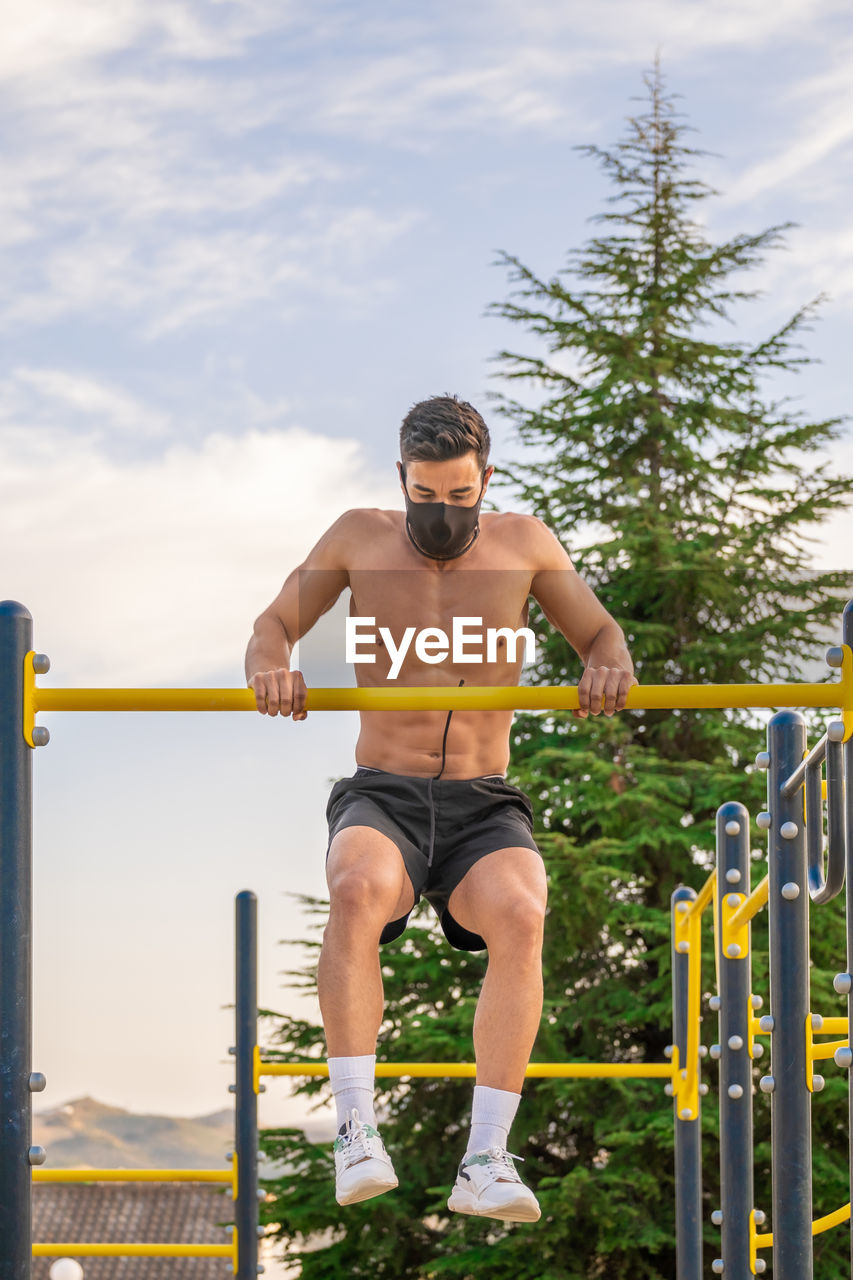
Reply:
x=246 y=1110
x=790 y=1100
x=16 y=877
x=734 y=967
x=688 y=1133
x=847 y=638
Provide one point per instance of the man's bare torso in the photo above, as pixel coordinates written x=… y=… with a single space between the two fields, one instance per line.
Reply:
x=368 y=554
x=393 y=583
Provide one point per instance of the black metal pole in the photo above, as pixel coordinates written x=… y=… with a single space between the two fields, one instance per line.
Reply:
x=16 y=878
x=688 y=1132
x=246 y=1110
x=790 y=1102
x=733 y=1005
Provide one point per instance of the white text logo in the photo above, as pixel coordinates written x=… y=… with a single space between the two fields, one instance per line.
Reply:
x=433 y=645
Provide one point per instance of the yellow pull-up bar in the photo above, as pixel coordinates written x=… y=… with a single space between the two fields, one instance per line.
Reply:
x=838 y=696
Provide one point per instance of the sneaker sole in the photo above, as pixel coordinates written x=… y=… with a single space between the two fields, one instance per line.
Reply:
x=520 y=1212
x=367 y=1190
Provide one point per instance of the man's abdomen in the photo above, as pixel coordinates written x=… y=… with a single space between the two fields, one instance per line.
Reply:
x=410 y=743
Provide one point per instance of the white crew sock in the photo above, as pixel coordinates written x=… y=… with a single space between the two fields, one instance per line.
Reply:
x=491 y=1118
x=353 y=1084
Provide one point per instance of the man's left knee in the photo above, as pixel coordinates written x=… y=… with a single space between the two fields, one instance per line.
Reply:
x=518 y=924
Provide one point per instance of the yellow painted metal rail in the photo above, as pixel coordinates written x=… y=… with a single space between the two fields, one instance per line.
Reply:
x=749 y=907
x=80 y=1249
x=838 y=695
x=819 y=1225
x=442 y=698
x=688 y=939
x=134 y=1175
x=457 y=1070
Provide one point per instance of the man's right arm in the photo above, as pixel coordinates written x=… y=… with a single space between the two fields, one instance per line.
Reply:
x=309 y=591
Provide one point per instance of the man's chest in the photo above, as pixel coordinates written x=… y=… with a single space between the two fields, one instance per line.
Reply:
x=398 y=598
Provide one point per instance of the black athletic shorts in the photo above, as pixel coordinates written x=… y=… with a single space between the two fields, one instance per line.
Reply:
x=441 y=827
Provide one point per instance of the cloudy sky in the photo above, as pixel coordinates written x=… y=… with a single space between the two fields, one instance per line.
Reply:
x=238 y=239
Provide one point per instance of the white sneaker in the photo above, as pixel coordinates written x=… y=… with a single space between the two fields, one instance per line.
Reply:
x=362 y=1167
x=488 y=1186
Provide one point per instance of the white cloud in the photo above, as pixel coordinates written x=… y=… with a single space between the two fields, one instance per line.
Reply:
x=176 y=281
x=811 y=156
x=77 y=395
x=824 y=262
x=155 y=571
x=624 y=31
x=146 y=184
x=501 y=67
x=41 y=37
x=130 y=185
x=833 y=548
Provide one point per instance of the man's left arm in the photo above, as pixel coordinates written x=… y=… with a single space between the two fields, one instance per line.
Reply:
x=572 y=607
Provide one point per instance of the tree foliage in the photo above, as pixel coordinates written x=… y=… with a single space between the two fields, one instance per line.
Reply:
x=687 y=492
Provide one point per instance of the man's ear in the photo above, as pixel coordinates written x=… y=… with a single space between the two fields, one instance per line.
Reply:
x=401 y=472
x=487 y=475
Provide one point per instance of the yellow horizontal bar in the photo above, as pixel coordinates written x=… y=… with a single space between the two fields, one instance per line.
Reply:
x=827 y=1050
x=450 y=1070
x=832 y=1027
x=144 y=700
x=443 y=698
x=831 y=1220
x=818 y=1226
x=750 y=906
x=703 y=897
x=133 y=1175
x=77 y=1250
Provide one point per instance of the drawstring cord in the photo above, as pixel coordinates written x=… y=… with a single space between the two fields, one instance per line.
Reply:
x=435 y=778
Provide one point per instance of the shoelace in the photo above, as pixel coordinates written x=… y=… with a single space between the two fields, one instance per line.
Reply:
x=356 y=1139
x=498 y=1156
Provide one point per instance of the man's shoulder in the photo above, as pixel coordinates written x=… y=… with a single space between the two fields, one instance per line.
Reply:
x=531 y=538
x=365 y=517
x=357 y=528
x=519 y=527
x=359 y=519
x=514 y=520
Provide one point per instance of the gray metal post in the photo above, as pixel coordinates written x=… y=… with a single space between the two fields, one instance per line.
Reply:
x=732 y=1004
x=790 y=1102
x=246 y=1110
x=16 y=630
x=688 y=1133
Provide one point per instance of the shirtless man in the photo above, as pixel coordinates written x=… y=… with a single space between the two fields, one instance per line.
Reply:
x=428 y=810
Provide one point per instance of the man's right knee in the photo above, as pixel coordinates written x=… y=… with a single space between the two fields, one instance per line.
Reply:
x=360 y=894
x=367 y=877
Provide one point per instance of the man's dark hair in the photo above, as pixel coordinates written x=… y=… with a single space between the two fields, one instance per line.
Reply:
x=443 y=427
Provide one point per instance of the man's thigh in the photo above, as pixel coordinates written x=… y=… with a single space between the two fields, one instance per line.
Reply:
x=506 y=885
x=363 y=862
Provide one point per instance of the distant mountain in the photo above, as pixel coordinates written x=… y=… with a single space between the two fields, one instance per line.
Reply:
x=86 y=1134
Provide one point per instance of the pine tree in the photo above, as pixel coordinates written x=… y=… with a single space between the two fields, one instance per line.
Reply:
x=695 y=492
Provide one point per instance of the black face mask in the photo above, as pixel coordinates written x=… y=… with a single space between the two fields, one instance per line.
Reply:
x=438 y=529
